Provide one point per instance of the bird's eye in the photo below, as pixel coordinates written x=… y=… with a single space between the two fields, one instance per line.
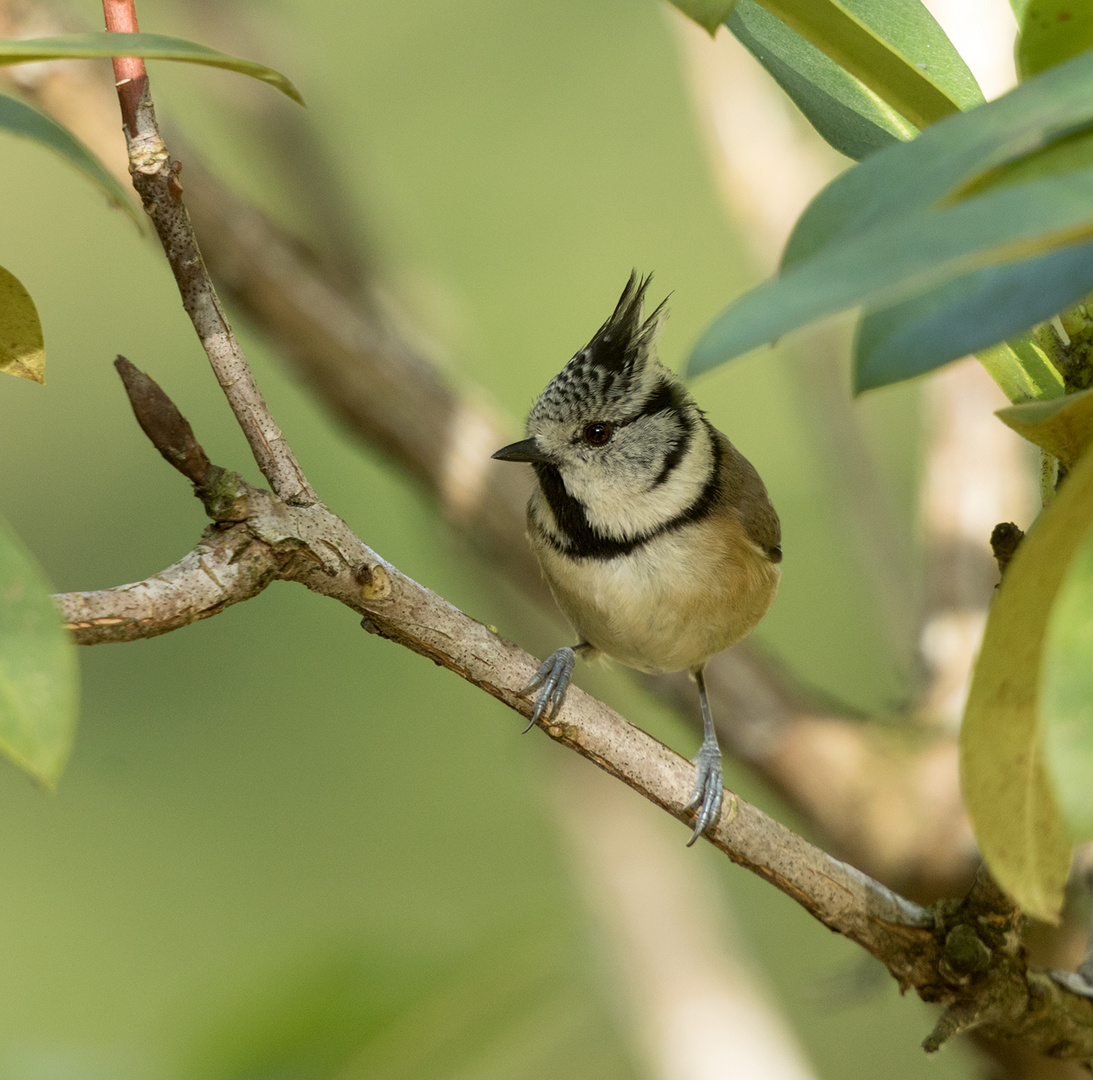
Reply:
x=597 y=434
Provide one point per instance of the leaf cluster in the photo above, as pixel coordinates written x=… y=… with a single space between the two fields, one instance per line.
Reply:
x=963 y=228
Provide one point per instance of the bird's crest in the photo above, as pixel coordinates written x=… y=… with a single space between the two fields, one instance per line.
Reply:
x=625 y=339
x=607 y=369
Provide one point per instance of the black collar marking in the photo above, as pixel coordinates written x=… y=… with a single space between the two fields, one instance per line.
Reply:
x=582 y=541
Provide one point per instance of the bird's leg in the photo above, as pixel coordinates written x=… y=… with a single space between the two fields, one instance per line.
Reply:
x=707 y=794
x=553 y=676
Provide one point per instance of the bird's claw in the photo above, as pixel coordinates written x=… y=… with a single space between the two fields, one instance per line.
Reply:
x=708 y=791
x=553 y=676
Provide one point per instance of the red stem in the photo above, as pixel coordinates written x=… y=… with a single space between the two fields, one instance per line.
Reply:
x=130 y=75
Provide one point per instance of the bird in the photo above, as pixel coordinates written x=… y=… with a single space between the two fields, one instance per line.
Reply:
x=655 y=534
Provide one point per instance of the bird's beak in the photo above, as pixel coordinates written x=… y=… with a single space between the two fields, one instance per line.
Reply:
x=528 y=450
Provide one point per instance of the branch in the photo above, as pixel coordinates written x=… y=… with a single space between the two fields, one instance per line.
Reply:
x=313 y=546
x=966 y=955
x=155 y=177
x=225 y=567
x=853 y=783
x=942 y=954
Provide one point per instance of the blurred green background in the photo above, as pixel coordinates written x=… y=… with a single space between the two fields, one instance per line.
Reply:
x=282 y=845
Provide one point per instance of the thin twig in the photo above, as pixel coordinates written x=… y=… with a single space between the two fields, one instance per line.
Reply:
x=156 y=179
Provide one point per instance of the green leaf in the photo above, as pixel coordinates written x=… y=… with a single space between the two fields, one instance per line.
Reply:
x=1063 y=427
x=872 y=39
x=911 y=256
x=1022 y=369
x=1052 y=31
x=849 y=117
x=1071 y=153
x=709 y=14
x=38 y=672
x=1066 y=694
x=877 y=234
x=150 y=46
x=908 y=177
x=1007 y=789
x=19 y=118
x=969 y=315
x=22 y=348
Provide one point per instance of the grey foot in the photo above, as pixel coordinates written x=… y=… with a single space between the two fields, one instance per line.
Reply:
x=708 y=791
x=553 y=676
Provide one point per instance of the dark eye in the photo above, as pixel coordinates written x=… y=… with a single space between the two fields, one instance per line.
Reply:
x=597 y=434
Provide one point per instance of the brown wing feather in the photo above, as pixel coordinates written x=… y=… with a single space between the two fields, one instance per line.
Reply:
x=747 y=494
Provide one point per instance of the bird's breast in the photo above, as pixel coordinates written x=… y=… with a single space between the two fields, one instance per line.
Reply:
x=670 y=604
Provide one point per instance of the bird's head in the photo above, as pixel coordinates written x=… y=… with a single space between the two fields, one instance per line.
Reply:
x=613 y=421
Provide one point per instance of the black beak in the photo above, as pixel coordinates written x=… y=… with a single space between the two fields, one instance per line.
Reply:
x=528 y=450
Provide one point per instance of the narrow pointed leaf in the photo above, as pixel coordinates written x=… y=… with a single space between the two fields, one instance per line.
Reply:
x=38 y=673
x=1052 y=31
x=19 y=118
x=875 y=235
x=1007 y=789
x=911 y=256
x=850 y=34
x=22 y=349
x=1071 y=153
x=970 y=314
x=908 y=177
x=851 y=118
x=150 y=46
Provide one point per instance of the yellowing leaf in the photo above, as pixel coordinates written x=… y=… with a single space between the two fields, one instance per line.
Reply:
x=1007 y=790
x=22 y=351
x=1066 y=694
x=1063 y=427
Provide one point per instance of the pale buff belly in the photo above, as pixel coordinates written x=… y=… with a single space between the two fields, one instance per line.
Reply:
x=670 y=605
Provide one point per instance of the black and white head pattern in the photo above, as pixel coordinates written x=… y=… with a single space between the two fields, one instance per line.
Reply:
x=604 y=377
x=627 y=449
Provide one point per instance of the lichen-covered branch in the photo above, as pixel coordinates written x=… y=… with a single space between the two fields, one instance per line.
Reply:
x=225 y=567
